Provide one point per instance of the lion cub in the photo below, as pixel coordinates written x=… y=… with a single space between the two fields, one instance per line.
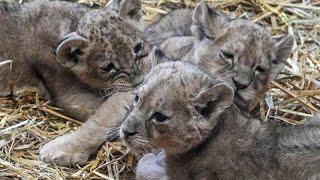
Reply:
x=81 y=58
x=237 y=49
x=191 y=116
x=64 y=47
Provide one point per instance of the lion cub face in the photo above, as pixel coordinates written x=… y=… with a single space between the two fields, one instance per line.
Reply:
x=108 y=47
x=175 y=109
x=238 y=49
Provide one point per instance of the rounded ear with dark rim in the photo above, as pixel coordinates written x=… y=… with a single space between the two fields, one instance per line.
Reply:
x=283 y=49
x=212 y=101
x=130 y=9
x=68 y=47
x=206 y=21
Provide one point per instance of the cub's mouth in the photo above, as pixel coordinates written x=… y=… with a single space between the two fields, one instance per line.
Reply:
x=240 y=101
x=137 y=146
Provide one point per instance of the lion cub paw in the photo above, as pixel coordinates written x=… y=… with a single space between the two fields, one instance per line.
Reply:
x=151 y=167
x=64 y=152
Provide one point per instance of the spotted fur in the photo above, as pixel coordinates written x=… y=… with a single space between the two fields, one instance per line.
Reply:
x=191 y=116
x=241 y=51
x=82 y=59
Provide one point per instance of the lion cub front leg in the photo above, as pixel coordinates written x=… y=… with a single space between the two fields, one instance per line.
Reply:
x=76 y=148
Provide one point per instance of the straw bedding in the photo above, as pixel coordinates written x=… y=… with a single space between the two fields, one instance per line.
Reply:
x=27 y=121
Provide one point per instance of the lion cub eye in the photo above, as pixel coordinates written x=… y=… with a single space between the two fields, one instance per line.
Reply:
x=108 y=68
x=260 y=70
x=159 y=117
x=208 y=37
x=138 y=48
x=226 y=55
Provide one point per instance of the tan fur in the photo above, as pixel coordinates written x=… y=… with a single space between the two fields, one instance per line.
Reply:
x=175 y=93
x=255 y=58
x=191 y=116
x=79 y=57
x=75 y=148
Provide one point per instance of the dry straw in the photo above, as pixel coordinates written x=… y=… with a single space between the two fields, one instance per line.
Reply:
x=27 y=122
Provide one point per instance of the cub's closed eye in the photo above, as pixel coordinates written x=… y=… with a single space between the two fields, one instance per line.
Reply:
x=261 y=70
x=159 y=117
x=138 y=48
x=108 y=68
x=226 y=55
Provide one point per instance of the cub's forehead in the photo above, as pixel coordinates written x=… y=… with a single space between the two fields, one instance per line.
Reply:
x=108 y=24
x=255 y=40
x=248 y=30
x=173 y=80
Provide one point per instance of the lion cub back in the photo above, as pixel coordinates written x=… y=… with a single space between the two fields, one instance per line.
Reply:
x=175 y=24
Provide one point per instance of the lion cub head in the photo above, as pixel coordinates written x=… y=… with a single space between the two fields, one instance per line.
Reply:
x=238 y=49
x=175 y=109
x=108 y=46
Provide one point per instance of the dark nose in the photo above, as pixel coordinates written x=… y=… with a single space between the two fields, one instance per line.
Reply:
x=129 y=132
x=240 y=84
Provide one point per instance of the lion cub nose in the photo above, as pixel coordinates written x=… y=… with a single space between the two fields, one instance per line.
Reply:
x=129 y=132
x=240 y=83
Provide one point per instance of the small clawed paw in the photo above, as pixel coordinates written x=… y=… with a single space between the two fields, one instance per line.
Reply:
x=63 y=154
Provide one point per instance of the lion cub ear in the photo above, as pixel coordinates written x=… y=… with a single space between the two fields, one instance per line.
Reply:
x=69 y=48
x=212 y=101
x=206 y=21
x=283 y=49
x=130 y=9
